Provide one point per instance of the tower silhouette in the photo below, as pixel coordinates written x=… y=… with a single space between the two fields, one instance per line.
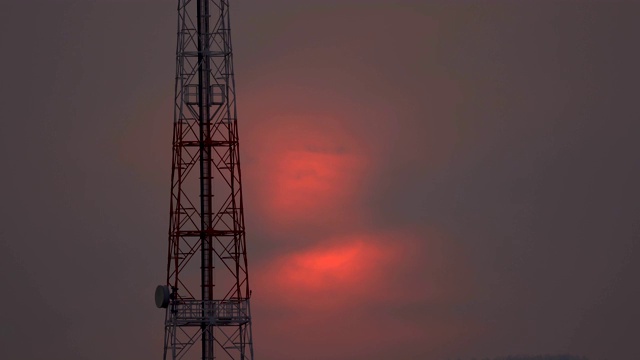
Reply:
x=206 y=294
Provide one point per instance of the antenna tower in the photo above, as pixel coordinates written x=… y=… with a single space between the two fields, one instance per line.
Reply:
x=206 y=294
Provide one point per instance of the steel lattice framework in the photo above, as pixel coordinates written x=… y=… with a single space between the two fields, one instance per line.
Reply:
x=207 y=286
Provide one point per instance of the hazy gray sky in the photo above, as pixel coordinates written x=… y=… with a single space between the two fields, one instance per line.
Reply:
x=474 y=165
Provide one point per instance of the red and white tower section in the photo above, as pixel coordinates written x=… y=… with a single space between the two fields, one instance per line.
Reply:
x=206 y=294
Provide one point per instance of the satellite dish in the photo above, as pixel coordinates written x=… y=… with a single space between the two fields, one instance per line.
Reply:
x=162 y=296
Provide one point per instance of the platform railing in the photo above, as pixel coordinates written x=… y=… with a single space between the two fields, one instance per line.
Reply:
x=213 y=312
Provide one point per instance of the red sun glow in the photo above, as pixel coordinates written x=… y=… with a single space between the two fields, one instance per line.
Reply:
x=333 y=273
x=309 y=168
x=342 y=288
x=304 y=180
x=342 y=266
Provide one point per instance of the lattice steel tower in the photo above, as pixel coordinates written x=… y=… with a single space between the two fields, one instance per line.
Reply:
x=206 y=294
